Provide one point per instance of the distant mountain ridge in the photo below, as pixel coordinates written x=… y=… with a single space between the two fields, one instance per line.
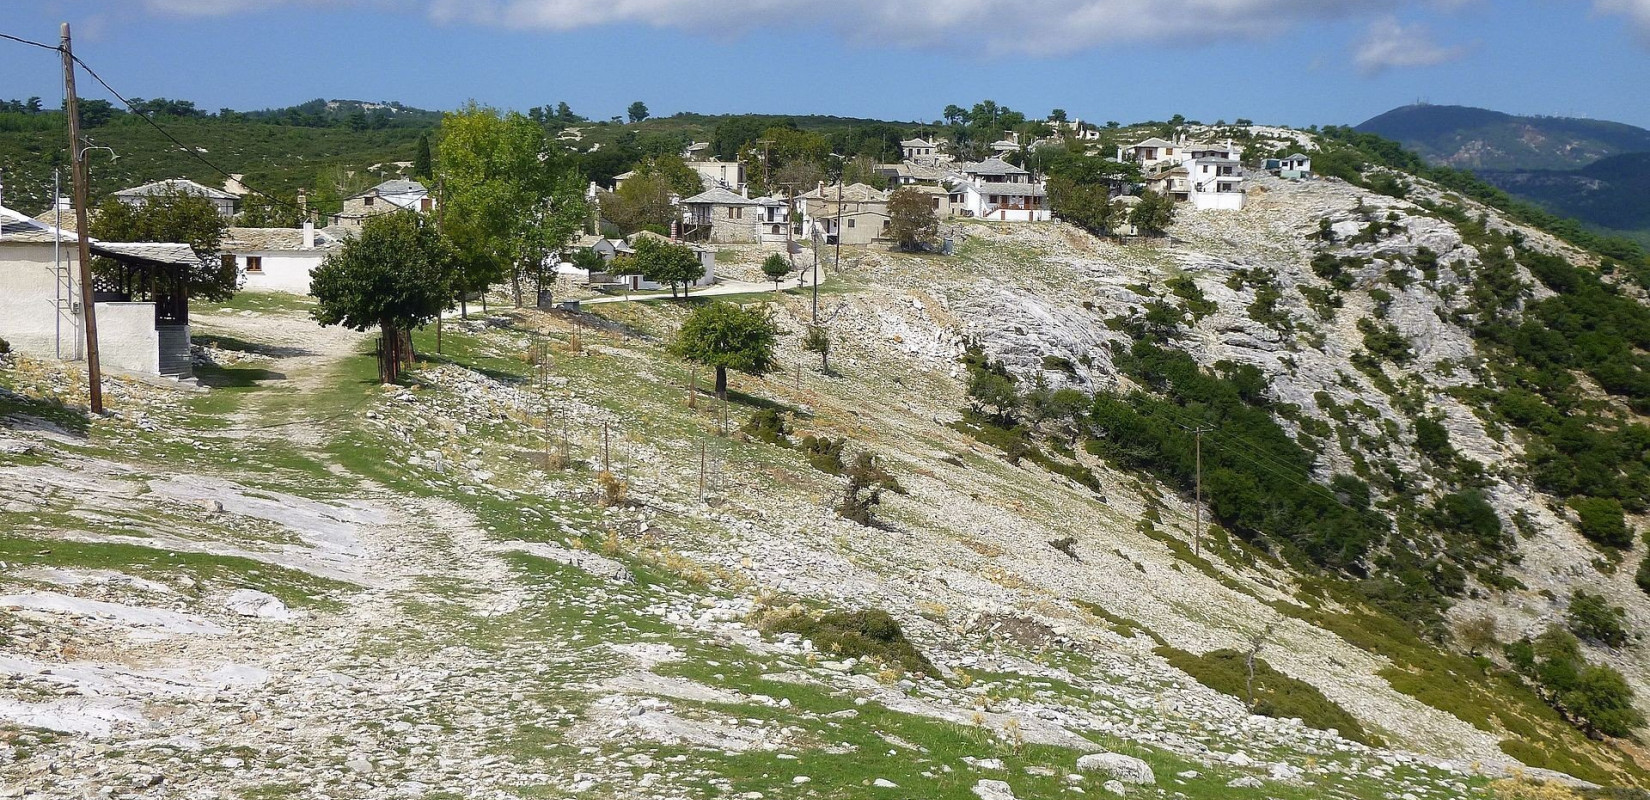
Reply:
x=1481 y=139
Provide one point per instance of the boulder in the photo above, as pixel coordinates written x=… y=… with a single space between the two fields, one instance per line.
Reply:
x=1127 y=769
x=1245 y=782
x=993 y=790
x=253 y=603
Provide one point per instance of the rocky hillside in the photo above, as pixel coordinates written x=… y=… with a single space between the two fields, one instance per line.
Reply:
x=540 y=568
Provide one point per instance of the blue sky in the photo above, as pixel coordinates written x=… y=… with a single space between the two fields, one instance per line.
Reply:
x=1296 y=62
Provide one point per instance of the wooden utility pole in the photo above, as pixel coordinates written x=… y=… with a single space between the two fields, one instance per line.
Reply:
x=440 y=207
x=1197 y=505
x=77 y=158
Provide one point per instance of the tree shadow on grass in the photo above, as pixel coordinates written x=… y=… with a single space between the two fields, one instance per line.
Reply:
x=235 y=377
x=223 y=342
x=21 y=413
x=753 y=401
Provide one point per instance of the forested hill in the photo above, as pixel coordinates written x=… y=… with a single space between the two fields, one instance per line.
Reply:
x=332 y=148
x=1477 y=138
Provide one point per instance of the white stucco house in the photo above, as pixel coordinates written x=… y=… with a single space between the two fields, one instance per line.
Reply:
x=1215 y=183
x=997 y=190
x=226 y=203
x=41 y=314
x=1298 y=165
x=278 y=259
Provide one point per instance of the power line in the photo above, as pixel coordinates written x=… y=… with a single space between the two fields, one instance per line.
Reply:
x=195 y=154
x=30 y=42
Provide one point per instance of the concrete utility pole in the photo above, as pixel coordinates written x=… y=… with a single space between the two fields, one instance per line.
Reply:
x=77 y=156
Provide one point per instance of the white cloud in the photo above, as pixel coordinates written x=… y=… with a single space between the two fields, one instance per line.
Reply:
x=1389 y=44
x=1638 y=11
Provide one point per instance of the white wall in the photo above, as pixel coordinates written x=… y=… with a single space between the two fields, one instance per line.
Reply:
x=126 y=337
x=29 y=318
x=283 y=271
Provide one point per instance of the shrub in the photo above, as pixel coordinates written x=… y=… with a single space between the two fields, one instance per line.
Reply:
x=1275 y=694
x=1432 y=438
x=1603 y=699
x=1595 y=698
x=1593 y=618
x=824 y=453
x=768 y=425
x=1602 y=521
x=1642 y=577
x=5 y=347
x=613 y=489
x=870 y=633
x=866 y=480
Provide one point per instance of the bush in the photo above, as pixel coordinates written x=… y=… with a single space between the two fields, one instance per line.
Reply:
x=1432 y=438
x=824 y=453
x=1602 y=521
x=768 y=425
x=1603 y=699
x=1595 y=698
x=5 y=347
x=866 y=480
x=1275 y=694
x=870 y=633
x=1642 y=577
x=1593 y=618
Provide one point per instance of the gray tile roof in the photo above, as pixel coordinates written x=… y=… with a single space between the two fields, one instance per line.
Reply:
x=175 y=185
x=719 y=197
x=1010 y=189
x=16 y=226
x=393 y=187
x=991 y=166
x=239 y=240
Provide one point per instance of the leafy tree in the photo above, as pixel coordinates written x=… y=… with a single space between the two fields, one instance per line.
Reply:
x=564 y=113
x=666 y=262
x=1642 y=577
x=776 y=268
x=1087 y=205
x=994 y=391
x=647 y=199
x=1154 y=214
x=423 y=164
x=1604 y=700
x=818 y=340
x=911 y=219
x=1592 y=617
x=173 y=216
x=863 y=169
x=953 y=114
x=862 y=495
x=637 y=112
x=393 y=276
x=509 y=200
x=726 y=336
x=586 y=258
x=1057 y=115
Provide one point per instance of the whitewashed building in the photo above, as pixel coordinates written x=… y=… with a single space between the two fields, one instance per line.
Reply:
x=278 y=259
x=997 y=190
x=41 y=314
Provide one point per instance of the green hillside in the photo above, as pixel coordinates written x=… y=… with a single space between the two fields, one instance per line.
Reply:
x=1477 y=138
x=1608 y=193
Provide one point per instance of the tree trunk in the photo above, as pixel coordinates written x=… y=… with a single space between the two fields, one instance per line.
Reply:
x=389 y=341
x=722 y=384
x=464 y=306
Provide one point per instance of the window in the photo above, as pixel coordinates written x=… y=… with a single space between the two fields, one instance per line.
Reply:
x=367 y=201
x=850 y=223
x=424 y=204
x=254 y=263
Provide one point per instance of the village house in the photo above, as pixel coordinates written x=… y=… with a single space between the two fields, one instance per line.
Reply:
x=1298 y=165
x=1209 y=176
x=997 y=190
x=227 y=204
x=386 y=197
x=278 y=259
x=852 y=214
x=721 y=216
x=918 y=148
x=914 y=173
x=715 y=174
x=41 y=314
x=774 y=219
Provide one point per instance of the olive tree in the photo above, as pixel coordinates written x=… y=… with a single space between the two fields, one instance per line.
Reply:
x=395 y=276
x=725 y=336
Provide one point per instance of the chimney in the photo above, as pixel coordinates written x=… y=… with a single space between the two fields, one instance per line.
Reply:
x=745 y=191
x=309 y=235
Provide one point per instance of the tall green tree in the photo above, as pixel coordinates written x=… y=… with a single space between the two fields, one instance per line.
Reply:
x=665 y=262
x=423 y=163
x=726 y=336
x=647 y=199
x=637 y=112
x=175 y=216
x=1154 y=214
x=1087 y=205
x=508 y=200
x=394 y=276
x=911 y=219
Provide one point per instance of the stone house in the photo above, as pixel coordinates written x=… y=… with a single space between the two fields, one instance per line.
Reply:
x=227 y=204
